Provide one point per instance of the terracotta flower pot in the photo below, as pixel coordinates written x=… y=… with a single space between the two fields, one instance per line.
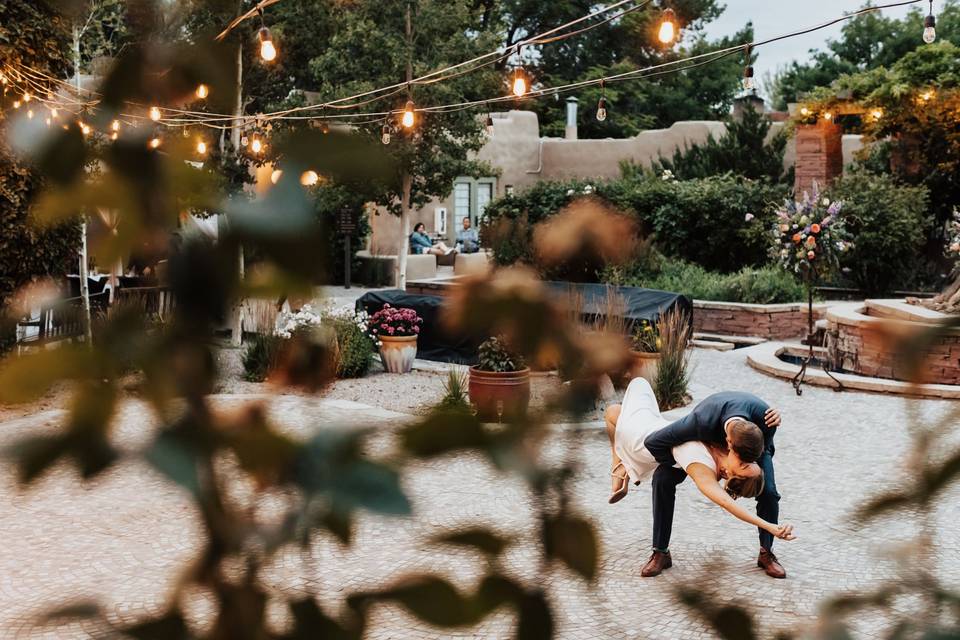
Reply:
x=644 y=365
x=398 y=353
x=499 y=396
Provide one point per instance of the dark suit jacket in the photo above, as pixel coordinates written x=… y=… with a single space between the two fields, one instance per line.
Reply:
x=705 y=423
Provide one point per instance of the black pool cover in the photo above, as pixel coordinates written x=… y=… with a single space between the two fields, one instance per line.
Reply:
x=437 y=345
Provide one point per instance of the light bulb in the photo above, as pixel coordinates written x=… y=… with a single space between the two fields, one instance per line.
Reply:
x=202 y=148
x=275 y=176
x=519 y=84
x=602 y=109
x=409 y=119
x=155 y=113
x=115 y=125
x=926 y=96
x=748 y=81
x=85 y=129
x=154 y=143
x=30 y=114
x=828 y=116
x=114 y=135
x=48 y=122
x=267 y=51
x=877 y=114
x=385 y=135
x=203 y=91
x=804 y=111
x=490 y=127
x=27 y=97
x=54 y=113
x=16 y=104
x=668 y=29
x=309 y=178
x=256 y=146
x=930 y=29
x=244 y=141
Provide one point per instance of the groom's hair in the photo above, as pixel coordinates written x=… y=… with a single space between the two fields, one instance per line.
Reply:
x=746 y=440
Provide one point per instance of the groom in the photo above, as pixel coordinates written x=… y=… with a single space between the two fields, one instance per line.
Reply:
x=727 y=418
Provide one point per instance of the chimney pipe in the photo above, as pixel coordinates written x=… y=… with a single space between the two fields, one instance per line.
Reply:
x=571 y=130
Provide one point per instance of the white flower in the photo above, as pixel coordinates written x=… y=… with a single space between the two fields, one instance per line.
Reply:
x=749 y=217
x=570 y=192
x=588 y=189
x=826 y=202
x=667 y=175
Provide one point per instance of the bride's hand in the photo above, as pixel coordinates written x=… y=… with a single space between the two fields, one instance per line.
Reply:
x=782 y=531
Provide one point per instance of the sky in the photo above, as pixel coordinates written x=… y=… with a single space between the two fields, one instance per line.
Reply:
x=776 y=17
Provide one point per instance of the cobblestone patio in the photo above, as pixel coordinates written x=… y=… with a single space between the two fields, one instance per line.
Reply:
x=119 y=540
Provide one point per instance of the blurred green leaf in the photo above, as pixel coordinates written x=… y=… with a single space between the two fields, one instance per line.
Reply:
x=311 y=623
x=170 y=627
x=478 y=538
x=28 y=377
x=73 y=611
x=35 y=455
x=173 y=457
x=733 y=623
x=431 y=599
x=572 y=540
x=535 y=622
x=444 y=432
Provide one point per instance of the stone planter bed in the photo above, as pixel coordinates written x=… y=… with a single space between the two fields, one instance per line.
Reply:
x=770 y=321
x=855 y=337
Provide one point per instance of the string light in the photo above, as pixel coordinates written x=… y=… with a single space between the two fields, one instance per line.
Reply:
x=49 y=121
x=275 y=176
x=828 y=116
x=267 y=49
x=201 y=148
x=489 y=124
x=115 y=126
x=54 y=113
x=16 y=104
x=256 y=145
x=927 y=96
x=930 y=26
x=668 y=28
x=27 y=97
x=114 y=135
x=154 y=143
x=804 y=111
x=85 y=129
x=877 y=114
x=385 y=134
x=30 y=113
x=202 y=91
x=748 y=81
x=155 y=114
x=309 y=178
x=408 y=119
x=602 y=105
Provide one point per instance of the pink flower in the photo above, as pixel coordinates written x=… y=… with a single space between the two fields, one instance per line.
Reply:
x=416 y=329
x=390 y=330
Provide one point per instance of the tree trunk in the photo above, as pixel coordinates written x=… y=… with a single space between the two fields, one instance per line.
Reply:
x=236 y=319
x=84 y=283
x=403 y=248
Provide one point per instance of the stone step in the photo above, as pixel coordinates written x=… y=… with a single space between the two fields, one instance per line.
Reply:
x=712 y=344
x=718 y=337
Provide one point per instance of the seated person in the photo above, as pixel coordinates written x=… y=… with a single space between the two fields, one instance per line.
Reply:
x=420 y=243
x=468 y=240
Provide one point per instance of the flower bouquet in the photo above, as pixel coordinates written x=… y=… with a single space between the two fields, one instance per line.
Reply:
x=809 y=237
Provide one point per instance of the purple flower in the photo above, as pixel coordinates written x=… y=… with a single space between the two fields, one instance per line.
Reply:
x=835 y=208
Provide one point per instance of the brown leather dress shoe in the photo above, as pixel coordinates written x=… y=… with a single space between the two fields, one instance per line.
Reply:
x=658 y=562
x=769 y=563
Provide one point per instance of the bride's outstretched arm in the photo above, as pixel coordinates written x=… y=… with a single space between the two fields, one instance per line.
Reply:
x=709 y=486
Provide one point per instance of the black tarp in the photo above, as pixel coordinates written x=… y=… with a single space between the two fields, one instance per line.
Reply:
x=437 y=345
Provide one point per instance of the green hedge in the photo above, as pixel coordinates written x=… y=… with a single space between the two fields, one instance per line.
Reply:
x=702 y=221
x=766 y=285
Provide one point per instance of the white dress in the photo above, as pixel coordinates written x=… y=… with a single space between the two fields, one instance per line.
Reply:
x=639 y=417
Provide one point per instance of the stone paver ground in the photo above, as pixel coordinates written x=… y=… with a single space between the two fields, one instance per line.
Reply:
x=120 y=539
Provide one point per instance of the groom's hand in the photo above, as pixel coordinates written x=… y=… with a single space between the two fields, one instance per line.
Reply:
x=785 y=532
x=772 y=418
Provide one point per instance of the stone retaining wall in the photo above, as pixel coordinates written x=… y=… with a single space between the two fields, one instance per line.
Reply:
x=858 y=343
x=770 y=321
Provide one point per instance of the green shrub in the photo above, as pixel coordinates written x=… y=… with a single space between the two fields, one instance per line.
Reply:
x=354 y=348
x=766 y=285
x=455 y=392
x=721 y=223
x=704 y=221
x=261 y=357
x=495 y=357
x=673 y=370
x=888 y=223
x=745 y=150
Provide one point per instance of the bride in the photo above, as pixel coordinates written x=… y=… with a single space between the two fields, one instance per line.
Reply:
x=629 y=424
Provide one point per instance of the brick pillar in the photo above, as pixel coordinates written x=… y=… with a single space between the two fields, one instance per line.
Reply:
x=819 y=155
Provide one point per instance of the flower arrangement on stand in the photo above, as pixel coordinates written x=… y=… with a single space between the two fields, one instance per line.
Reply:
x=395 y=330
x=809 y=237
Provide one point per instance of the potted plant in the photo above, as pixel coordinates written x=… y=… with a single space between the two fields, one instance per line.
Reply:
x=396 y=331
x=645 y=346
x=499 y=383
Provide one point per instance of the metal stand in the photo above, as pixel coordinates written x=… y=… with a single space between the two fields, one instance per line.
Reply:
x=801 y=376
